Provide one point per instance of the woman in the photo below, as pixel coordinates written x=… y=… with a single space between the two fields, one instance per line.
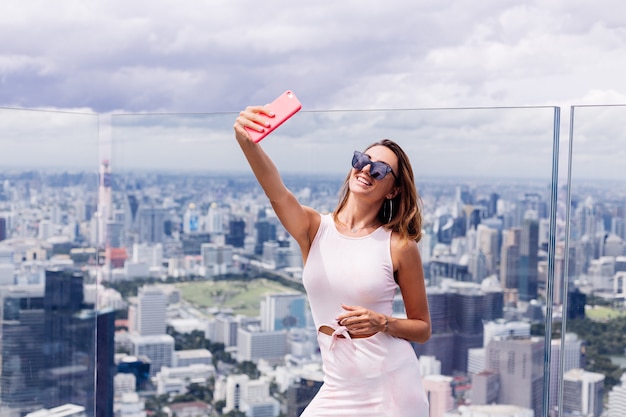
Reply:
x=354 y=260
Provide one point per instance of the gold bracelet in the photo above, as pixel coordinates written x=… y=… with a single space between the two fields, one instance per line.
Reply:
x=386 y=325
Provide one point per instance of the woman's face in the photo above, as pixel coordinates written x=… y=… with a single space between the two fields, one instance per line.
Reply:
x=366 y=182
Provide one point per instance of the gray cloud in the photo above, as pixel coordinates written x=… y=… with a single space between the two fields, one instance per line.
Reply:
x=218 y=56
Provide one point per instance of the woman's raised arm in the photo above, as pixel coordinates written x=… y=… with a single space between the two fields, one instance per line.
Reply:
x=297 y=219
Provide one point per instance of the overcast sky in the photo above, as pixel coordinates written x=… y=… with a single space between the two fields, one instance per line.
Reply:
x=111 y=56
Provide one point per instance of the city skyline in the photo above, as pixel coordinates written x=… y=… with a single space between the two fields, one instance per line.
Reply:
x=460 y=243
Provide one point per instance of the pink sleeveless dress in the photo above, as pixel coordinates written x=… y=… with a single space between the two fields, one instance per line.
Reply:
x=374 y=376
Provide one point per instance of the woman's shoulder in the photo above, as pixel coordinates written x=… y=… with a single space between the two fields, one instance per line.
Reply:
x=405 y=253
x=402 y=246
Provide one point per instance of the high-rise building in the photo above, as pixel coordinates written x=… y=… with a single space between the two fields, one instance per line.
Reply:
x=530 y=205
x=265 y=232
x=467 y=308
x=215 y=220
x=69 y=342
x=529 y=258
x=582 y=393
x=104 y=200
x=191 y=220
x=270 y=254
x=3 y=228
x=53 y=345
x=105 y=362
x=114 y=234
x=151 y=224
x=438 y=305
x=576 y=304
x=159 y=349
x=236 y=233
x=251 y=397
x=225 y=330
x=617 y=399
x=572 y=359
x=300 y=394
x=457 y=314
x=509 y=258
x=217 y=259
x=492 y=207
x=253 y=344
x=130 y=207
x=283 y=311
x=485 y=388
x=151 y=311
x=519 y=364
x=21 y=356
x=487 y=242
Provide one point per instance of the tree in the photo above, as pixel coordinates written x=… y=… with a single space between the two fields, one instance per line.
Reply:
x=249 y=368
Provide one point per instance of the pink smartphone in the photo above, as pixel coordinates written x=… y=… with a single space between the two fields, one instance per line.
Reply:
x=285 y=106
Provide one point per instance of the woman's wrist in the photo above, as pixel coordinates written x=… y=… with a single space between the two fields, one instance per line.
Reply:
x=386 y=325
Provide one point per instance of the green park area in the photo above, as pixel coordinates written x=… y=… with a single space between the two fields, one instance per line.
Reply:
x=244 y=297
x=603 y=313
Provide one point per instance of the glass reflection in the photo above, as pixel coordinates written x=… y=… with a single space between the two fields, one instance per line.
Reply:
x=590 y=265
x=47 y=259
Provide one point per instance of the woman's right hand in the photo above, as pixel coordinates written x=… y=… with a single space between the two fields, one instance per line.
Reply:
x=251 y=118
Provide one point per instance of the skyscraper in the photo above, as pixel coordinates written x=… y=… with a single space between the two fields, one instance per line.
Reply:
x=488 y=240
x=105 y=363
x=266 y=231
x=582 y=393
x=300 y=394
x=529 y=257
x=69 y=342
x=572 y=359
x=236 y=233
x=519 y=364
x=151 y=224
x=191 y=220
x=457 y=315
x=104 y=200
x=21 y=354
x=509 y=258
x=151 y=311
x=216 y=259
x=3 y=228
x=215 y=222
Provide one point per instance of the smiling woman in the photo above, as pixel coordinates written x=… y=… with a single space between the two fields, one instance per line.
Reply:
x=355 y=260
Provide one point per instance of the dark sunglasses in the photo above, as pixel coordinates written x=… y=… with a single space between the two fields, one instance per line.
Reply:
x=378 y=170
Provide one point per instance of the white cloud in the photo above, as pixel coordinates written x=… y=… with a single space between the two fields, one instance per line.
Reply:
x=216 y=56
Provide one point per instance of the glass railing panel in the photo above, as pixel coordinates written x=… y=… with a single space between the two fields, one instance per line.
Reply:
x=195 y=232
x=48 y=261
x=593 y=261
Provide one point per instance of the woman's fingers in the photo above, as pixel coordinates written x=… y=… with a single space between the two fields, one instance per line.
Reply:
x=253 y=117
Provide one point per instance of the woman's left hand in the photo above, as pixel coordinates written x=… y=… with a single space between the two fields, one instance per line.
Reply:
x=359 y=320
